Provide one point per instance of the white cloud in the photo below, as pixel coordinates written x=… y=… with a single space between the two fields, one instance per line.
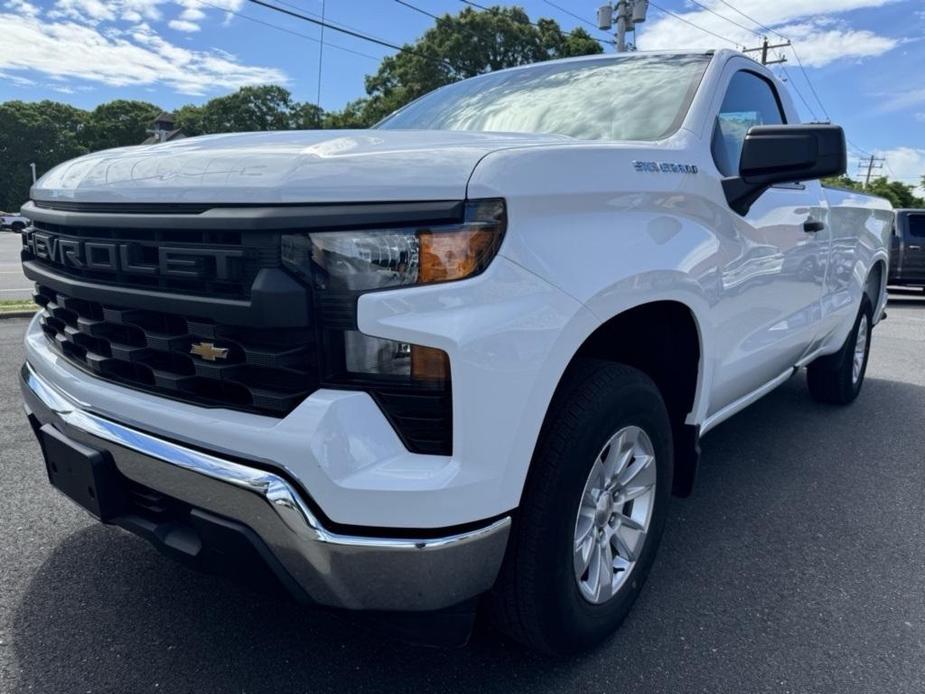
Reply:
x=820 y=45
x=88 y=11
x=906 y=164
x=182 y=25
x=819 y=36
x=920 y=117
x=899 y=101
x=191 y=14
x=23 y=7
x=17 y=80
x=140 y=57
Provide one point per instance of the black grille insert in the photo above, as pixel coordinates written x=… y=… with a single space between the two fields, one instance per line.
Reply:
x=267 y=371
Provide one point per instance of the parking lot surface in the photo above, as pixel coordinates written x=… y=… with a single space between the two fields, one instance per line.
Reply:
x=13 y=284
x=797 y=566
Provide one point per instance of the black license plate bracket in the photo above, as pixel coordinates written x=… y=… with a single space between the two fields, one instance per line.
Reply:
x=85 y=475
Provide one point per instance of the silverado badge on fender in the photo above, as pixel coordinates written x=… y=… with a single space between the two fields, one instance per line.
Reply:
x=209 y=351
x=664 y=167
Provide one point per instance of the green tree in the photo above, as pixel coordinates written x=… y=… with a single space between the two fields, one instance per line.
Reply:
x=351 y=116
x=843 y=181
x=464 y=45
x=306 y=117
x=265 y=107
x=45 y=133
x=189 y=119
x=118 y=123
x=898 y=193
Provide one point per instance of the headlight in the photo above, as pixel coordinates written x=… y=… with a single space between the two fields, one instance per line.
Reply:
x=411 y=383
x=386 y=258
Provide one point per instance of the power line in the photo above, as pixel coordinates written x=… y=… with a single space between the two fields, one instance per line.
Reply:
x=348 y=32
x=859 y=150
x=809 y=82
x=288 y=31
x=796 y=55
x=752 y=19
x=680 y=18
x=469 y=31
x=793 y=85
x=535 y=24
x=731 y=21
x=572 y=14
x=328 y=21
x=792 y=48
x=417 y=9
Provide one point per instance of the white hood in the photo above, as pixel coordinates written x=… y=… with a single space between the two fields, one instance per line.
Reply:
x=283 y=167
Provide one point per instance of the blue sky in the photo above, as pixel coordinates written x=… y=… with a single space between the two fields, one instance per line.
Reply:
x=865 y=58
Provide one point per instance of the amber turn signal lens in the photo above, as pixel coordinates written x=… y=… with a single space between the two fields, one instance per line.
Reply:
x=452 y=255
x=429 y=364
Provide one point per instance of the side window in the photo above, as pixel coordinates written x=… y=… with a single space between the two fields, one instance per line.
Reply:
x=917 y=225
x=750 y=100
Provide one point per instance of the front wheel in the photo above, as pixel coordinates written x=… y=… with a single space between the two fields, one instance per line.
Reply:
x=592 y=513
x=837 y=378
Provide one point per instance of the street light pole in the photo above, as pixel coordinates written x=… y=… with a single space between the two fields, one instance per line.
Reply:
x=32 y=165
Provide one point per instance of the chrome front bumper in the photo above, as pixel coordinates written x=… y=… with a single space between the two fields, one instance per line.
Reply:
x=355 y=572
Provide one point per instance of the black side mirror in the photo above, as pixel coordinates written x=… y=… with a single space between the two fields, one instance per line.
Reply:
x=784 y=154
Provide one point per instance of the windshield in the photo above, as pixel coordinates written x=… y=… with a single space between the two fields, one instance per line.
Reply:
x=638 y=97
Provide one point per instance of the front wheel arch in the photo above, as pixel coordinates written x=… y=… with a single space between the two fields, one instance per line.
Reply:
x=664 y=340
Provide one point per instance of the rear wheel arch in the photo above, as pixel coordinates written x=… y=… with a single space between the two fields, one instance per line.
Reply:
x=875 y=285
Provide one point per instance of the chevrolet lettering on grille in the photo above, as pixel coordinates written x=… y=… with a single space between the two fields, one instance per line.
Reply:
x=129 y=257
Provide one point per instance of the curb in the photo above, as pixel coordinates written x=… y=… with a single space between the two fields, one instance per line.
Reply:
x=16 y=314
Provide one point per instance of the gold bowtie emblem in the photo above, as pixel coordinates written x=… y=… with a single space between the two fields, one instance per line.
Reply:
x=209 y=351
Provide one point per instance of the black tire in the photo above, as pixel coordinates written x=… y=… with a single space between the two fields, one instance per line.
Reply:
x=17 y=227
x=537 y=600
x=831 y=378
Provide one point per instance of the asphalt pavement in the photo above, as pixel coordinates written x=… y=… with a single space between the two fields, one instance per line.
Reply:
x=13 y=284
x=797 y=566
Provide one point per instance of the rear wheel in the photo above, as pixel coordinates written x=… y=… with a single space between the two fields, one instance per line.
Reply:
x=837 y=378
x=592 y=514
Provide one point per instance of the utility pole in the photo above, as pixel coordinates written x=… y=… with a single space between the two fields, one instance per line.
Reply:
x=764 y=48
x=320 y=56
x=32 y=166
x=870 y=163
x=626 y=15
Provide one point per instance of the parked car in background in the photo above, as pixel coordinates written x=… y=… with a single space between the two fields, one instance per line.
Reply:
x=13 y=222
x=907 y=252
x=466 y=356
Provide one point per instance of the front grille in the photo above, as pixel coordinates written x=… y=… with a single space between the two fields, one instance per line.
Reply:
x=144 y=302
x=268 y=371
x=199 y=262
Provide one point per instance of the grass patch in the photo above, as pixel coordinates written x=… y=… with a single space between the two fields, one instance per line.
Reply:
x=15 y=305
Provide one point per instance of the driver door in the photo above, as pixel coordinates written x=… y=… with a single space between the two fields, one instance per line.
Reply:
x=773 y=279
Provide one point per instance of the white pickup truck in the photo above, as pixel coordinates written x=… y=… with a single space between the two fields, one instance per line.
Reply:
x=465 y=356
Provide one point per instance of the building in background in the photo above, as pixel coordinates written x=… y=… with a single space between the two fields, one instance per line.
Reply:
x=163 y=130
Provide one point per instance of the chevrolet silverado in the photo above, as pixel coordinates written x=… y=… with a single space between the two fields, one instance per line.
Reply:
x=464 y=357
